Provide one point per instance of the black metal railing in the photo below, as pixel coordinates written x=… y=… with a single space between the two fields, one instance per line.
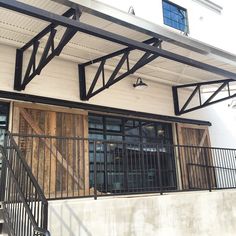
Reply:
x=207 y=167
x=24 y=205
x=68 y=167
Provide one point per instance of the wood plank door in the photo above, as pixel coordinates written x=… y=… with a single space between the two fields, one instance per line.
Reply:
x=196 y=163
x=51 y=139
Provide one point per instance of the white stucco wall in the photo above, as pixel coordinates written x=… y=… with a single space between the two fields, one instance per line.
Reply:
x=223 y=119
x=179 y=214
x=205 y=24
x=60 y=80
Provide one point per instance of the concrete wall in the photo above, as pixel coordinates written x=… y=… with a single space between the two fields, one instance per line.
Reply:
x=179 y=214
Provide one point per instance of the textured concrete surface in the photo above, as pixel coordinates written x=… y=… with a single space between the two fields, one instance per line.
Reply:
x=177 y=214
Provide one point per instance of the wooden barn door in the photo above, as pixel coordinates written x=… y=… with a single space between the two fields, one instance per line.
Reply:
x=195 y=162
x=60 y=165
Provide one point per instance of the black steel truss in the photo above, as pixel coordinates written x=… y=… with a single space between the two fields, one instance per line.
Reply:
x=49 y=51
x=197 y=91
x=150 y=49
x=114 y=77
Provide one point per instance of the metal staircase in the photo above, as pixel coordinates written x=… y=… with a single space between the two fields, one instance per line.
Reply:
x=23 y=204
x=3 y=229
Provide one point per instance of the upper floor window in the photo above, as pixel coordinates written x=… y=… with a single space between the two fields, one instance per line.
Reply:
x=175 y=16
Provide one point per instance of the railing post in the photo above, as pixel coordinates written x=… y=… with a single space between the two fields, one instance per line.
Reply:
x=207 y=169
x=126 y=169
x=95 y=169
x=3 y=179
x=178 y=166
x=159 y=170
x=45 y=215
x=3 y=171
x=105 y=145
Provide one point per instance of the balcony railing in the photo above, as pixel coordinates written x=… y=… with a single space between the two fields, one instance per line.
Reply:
x=68 y=167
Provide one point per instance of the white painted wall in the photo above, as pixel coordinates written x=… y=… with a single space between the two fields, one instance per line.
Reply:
x=223 y=119
x=60 y=80
x=183 y=214
x=205 y=24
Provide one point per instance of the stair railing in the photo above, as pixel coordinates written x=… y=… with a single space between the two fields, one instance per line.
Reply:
x=25 y=208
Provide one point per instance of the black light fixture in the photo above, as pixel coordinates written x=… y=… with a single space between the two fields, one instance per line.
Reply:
x=131 y=10
x=140 y=84
x=232 y=104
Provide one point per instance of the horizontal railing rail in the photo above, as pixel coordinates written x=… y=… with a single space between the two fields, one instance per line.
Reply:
x=24 y=204
x=67 y=167
x=113 y=141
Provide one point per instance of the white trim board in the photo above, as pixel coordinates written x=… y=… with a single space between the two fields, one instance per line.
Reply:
x=211 y=5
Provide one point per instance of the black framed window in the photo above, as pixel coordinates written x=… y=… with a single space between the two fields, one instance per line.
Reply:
x=127 y=161
x=175 y=16
x=4 y=114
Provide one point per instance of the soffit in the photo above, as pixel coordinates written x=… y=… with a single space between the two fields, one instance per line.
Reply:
x=18 y=29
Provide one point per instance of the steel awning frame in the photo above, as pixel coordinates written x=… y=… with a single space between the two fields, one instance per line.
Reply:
x=73 y=26
x=107 y=12
x=218 y=86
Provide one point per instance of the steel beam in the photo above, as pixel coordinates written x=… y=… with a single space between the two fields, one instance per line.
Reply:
x=223 y=86
x=141 y=25
x=114 y=77
x=95 y=108
x=97 y=32
x=49 y=52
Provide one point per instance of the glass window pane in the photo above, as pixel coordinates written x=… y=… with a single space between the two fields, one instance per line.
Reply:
x=168 y=22
x=96 y=122
x=173 y=8
x=115 y=138
x=132 y=128
x=166 y=5
x=4 y=107
x=113 y=124
x=167 y=13
x=132 y=140
x=148 y=130
x=96 y=136
x=114 y=157
x=174 y=15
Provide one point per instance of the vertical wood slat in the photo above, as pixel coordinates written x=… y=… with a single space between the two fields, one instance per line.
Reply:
x=86 y=155
x=194 y=136
x=57 y=123
x=52 y=162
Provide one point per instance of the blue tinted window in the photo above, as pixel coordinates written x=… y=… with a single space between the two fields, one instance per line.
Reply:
x=175 y=16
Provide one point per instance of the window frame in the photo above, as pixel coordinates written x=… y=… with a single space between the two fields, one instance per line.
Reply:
x=186 y=25
x=105 y=163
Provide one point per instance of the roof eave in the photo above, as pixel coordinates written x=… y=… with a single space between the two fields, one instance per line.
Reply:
x=141 y=25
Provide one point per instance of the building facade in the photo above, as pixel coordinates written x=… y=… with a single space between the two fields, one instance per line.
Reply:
x=76 y=124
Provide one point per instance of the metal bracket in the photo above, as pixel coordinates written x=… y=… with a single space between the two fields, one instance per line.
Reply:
x=196 y=94
x=115 y=77
x=49 y=51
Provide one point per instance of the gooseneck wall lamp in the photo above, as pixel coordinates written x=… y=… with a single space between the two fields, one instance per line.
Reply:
x=140 y=84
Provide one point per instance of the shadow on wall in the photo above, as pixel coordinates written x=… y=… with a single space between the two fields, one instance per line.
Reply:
x=64 y=222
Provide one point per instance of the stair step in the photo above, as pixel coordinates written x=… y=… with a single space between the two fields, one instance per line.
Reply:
x=1 y=216
x=3 y=230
